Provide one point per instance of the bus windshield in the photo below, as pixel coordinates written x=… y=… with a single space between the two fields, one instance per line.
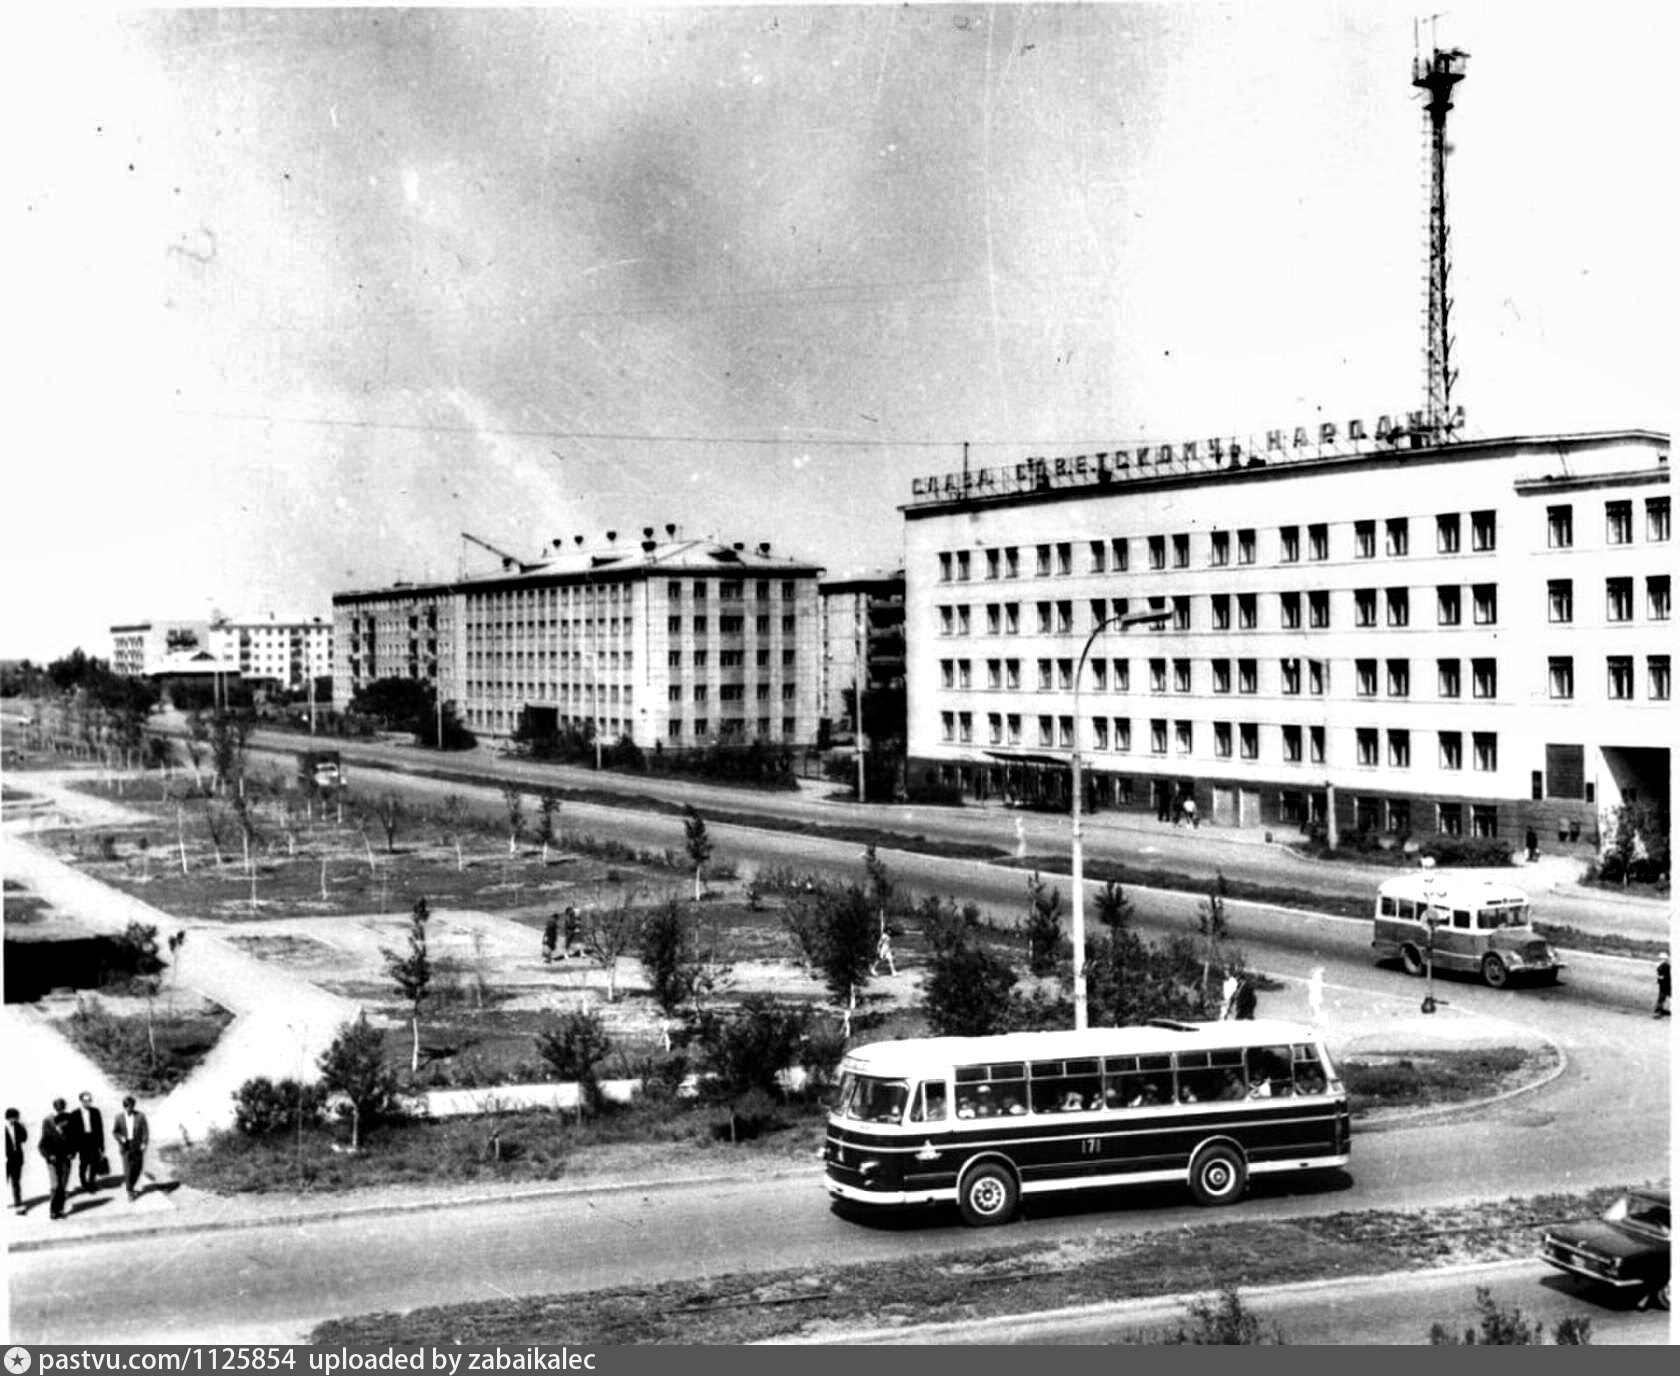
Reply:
x=871 y=1100
x=1512 y=914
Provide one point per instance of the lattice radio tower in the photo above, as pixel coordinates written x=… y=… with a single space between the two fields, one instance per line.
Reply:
x=1437 y=72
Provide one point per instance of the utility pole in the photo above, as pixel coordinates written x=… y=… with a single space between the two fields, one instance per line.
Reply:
x=859 y=678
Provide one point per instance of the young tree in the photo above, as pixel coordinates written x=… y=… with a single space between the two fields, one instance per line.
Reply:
x=514 y=801
x=613 y=933
x=667 y=950
x=390 y=810
x=1046 y=946
x=455 y=826
x=574 y=1045
x=548 y=806
x=751 y=1047
x=967 y=992
x=354 y=1066
x=880 y=884
x=846 y=926
x=699 y=847
x=413 y=972
x=1506 y=1327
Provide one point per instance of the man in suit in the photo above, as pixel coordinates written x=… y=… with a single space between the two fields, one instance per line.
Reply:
x=16 y=1136
x=90 y=1146
x=58 y=1147
x=132 y=1135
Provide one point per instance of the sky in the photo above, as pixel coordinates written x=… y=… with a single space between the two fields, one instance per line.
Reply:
x=302 y=295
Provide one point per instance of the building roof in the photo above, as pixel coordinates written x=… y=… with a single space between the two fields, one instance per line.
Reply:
x=627 y=561
x=193 y=662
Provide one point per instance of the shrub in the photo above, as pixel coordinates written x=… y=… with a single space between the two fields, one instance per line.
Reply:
x=1505 y=1326
x=750 y=1048
x=967 y=992
x=574 y=1045
x=1225 y=1321
x=1466 y=851
x=262 y=1107
x=354 y=1067
x=667 y=951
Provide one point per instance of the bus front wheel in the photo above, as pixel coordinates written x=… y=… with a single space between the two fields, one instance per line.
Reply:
x=1494 y=973
x=1412 y=959
x=988 y=1195
x=1218 y=1175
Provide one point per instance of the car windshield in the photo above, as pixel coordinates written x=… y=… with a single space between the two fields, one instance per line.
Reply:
x=1641 y=1212
x=870 y=1100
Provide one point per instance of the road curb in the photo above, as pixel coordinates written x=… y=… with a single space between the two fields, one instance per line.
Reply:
x=1409 y=1117
x=302 y=1218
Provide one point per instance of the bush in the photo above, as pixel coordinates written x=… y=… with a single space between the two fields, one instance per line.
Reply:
x=1225 y=1321
x=967 y=992
x=1449 y=851
x=574 y=1045
x=1505 y=1326
x=749 y=1049
x=262 y=1108
x=354 y=1066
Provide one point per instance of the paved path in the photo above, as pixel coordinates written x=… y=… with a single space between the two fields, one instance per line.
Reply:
x=281 y=1023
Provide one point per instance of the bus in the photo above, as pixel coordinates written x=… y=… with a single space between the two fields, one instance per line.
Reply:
x=982 y=1121
x=1472 y=925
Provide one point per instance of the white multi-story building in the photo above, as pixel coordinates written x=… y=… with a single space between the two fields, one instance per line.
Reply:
x=284 y=651
x=678 y=643
x=1471 y=638
x=141 y=647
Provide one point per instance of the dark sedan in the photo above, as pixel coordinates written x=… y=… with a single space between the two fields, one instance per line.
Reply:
x=1626 y=1248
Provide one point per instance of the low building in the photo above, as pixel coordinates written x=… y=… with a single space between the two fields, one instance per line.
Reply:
x=283 y=652
x=676 y=644
x=138 y=647
x=1469 y=638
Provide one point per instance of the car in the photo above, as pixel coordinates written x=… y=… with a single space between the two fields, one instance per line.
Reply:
x=1625 y=1248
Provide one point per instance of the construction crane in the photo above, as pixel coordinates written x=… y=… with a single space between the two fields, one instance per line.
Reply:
x=508 y=561
x=1437 y=73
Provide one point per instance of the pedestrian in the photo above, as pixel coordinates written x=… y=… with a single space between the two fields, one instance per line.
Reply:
x=573 y=933
x=551 y=934
x=1244 y=1005
x=90 y=1144
x=1665 y=987
x=883 y=951
x=16 y=1136
x=1190 y=813
x=132 y=1134
x=1532 y=842
x=1228 y=998
x=57 y=1146
x=1315 y=994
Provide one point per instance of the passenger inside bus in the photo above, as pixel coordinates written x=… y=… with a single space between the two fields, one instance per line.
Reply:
x=1233 y=1087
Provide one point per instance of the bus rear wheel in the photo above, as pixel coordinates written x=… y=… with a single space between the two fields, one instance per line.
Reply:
x=988 y=1195
x=1494 y=973
x=1412 y=959
x=1218 y=1175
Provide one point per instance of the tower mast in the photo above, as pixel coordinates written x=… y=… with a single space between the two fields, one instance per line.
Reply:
x=1437 y=73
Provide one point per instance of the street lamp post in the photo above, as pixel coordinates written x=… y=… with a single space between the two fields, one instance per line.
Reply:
x=1125 y=622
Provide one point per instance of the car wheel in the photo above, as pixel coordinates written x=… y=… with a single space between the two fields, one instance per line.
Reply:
x=1412 y=959
x=1659 y=1295
x=1494 y=973
x=1218 y=1175
x=988 y=1196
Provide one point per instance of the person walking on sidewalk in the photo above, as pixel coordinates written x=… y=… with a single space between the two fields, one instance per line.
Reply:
x=132 y=1134
x=16 y=1136
x=58 y=1149
x=90 y=1144
x=1665 y=987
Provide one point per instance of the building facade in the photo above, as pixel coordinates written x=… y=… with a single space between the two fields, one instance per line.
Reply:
x=1470 y=639
x=862 y=640
x=679 y=644
x=140 y=647
x=283 y=652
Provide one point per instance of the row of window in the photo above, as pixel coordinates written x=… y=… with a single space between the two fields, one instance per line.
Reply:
x=699 y=728
x=1101 y=556
x=728 y=625
x=538 y=690
x=728 y=659
x=1310 y=610
x=728 y=590
x=1618 y=523
x=1297 y=744
x=730 y=692
x=1618 y=677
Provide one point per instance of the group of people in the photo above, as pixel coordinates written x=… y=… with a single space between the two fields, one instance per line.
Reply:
x=74 y=1139
x=560 y=940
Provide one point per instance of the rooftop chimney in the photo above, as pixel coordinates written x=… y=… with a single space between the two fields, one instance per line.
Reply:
x=764 y=547
x=647 y=532
x=578 y=541
x=612 y=535
x=670 y=529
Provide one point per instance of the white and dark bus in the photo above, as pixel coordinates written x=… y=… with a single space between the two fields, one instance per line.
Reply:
x=982 y=1121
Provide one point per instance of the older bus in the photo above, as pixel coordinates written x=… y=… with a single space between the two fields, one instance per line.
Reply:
x=1472 y=925
x=983 y=1120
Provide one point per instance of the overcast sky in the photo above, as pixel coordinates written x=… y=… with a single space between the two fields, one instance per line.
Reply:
x=302 y=295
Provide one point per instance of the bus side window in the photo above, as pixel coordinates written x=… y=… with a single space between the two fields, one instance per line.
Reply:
x=1309 y=1071
x=930 y=1103
x=1386 y=905
x=1406 y=910
x=1461 y=917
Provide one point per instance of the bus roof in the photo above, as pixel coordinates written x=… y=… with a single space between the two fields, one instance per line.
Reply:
x=1453 y=889
x=913 y=1055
